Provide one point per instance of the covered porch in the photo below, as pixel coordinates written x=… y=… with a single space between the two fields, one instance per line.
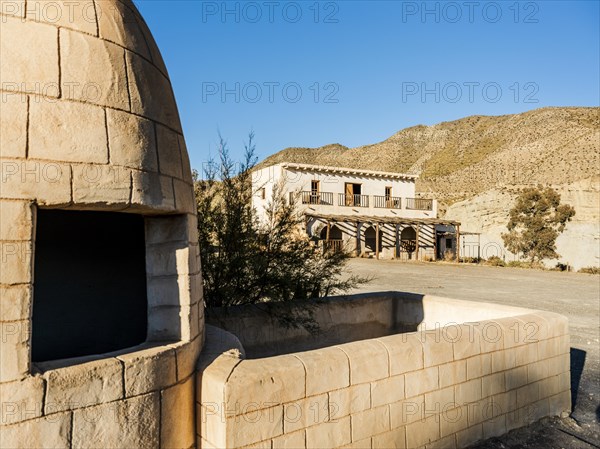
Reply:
x=387 y=237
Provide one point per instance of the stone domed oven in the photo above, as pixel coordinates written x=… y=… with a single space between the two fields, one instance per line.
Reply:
x=101 y=313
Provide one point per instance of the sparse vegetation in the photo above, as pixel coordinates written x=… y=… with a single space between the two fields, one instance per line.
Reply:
x=535 y=222
x=245 y=261
x=495 y=261
x=590 y=270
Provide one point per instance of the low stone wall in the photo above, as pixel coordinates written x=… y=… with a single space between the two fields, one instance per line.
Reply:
x=443 y=386
x=141 y=398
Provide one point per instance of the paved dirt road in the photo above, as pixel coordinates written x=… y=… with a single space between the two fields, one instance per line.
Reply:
x=575 y=295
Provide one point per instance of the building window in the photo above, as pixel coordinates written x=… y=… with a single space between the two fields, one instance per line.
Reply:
x=449 y=243
x=263 y=193
x=89 y=284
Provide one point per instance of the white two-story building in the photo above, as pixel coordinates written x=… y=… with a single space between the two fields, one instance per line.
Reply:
x=367 y=212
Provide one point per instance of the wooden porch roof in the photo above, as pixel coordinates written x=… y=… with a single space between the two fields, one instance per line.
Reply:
x=385 y=220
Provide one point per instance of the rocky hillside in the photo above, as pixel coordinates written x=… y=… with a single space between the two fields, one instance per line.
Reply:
x=476 y=165
x=460 y=159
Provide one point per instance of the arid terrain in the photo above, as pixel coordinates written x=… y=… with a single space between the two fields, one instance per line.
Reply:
x=476 y=166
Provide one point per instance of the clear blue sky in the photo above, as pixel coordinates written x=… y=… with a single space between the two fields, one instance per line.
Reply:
x=362 y=66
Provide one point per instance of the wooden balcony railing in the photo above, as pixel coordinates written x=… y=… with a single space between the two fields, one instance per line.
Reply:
x=388 y=202
x=333 y=245
x=353 y=200
x=419 y=203
x=323 y=198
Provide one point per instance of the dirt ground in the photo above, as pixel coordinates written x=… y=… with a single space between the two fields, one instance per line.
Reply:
x=575 y=295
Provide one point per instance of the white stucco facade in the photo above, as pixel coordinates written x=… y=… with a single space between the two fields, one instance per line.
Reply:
x=346 y=207
x=378 y=194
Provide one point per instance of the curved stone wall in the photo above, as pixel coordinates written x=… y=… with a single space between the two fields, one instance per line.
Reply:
x=88 y=121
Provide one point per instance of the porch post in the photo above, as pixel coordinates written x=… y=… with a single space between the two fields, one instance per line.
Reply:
x=434 y=243
x=377 y=240
x=457 y=243
x=357 y=239
x=417 y=243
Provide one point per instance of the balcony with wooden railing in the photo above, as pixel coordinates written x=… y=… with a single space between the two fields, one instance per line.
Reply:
x=387 y=202
x=419 y=203
x=333 y=245
x=353 y=200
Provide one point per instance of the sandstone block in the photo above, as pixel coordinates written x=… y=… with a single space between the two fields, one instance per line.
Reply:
x=564 y=381
x=101 y=185
x=556 y=325
x=439 y=400
x=77 y=386
x=163 y=291
x=293 y=440
x=12 y=7
x=186 y=168
x=394 y=439
x=386 y=391
x=16 y=302
x=184 y=196
x=151 y=94
x=187 y=356
x=407 y=411
x=405 y=352
x=516 y=377
x=133 y=422
x=93 y=70
x=166 y=229
x=156 y=57
x=491 y=336
x=79 y=15
x=152 y=192
x=505 y=402
x=177 y=416
x=537 y=371
x=368 y=361
x=559 y=364
x=494 y=427
x=453 y=373
x=164 y=323
x=560 y=403
x=448 y=442
x=479 y=366
x=117 y=23
x=527 y=394
x=468 y=342
x=13 y=125
x=50 y=432
x=468 y=392
x=36 y=71
x=148 y=369
x=169 y=156
x=161 y=260
x=349 y=400
x=419 y=382
x=436 y=348
x=469 y=436
x=305 y=413
x=275 y=380
x=16 y=220
x=47 y=182
x=14 y=350
x=362 y=444
x=71 y=139
x=453 y=420
x=21 y=400
x=255 y=426
x=131 y=140
x=213 y=372
x=526 y=354
x=16 y=264
x=329 y=434
x=370 y=422
x=422 y=432
x=493 y=384
x=326 y=370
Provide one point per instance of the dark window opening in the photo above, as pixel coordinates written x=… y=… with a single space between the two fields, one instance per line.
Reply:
x=89 y=283
x=448 y=243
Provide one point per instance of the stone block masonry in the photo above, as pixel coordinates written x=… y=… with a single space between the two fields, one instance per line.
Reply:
x=447 y=386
